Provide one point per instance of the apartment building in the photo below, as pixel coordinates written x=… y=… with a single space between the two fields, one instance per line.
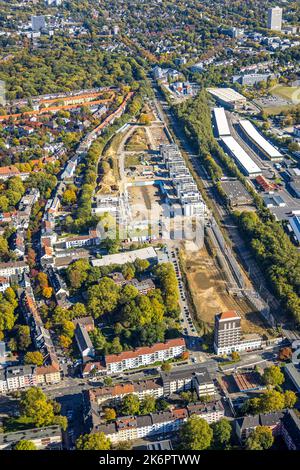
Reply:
x=13 y=268
x=47 y=438
x=228 y=335
x=275 y=19
x=162 y=423
x=185 y=187
x=247 y=424
x=290 y=430
x=4 y=284
x=14 y=378
x=116 y=392
x=227 y=332
x=144 y=356
x=82 y=240
x=197 y=379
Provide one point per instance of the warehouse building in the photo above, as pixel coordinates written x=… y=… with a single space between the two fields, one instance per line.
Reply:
x=236 y=193
x=242 y=159
x=258 y=142
x=228 y=97
x=221 y=122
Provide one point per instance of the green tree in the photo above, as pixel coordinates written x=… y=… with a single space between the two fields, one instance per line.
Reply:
x=166 y=367
x=96 y=441
x=25 y=445
x=290 y=399
x=130 y=405
x=195 y=434
x=141 y=265
x=261 y=438
x=272 y=401
x=273 y=376
x=235 y=356
x=103 y=298
x=147 y=405
x=36 y=407
x=34 y=357
x=23 y=337
x=222 y=433
x=3 y=246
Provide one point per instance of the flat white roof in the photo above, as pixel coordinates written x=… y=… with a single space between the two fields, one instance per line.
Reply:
x=239 y=153
x=253 y=133
x=228 y=95
x=221 y=121
x=126 y=257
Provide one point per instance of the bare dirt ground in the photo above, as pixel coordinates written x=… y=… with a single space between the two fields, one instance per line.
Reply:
x=149 y=196
x=208 y=287
x=158 y=136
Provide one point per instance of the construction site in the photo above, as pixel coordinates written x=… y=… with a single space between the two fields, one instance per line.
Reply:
x=208 y=284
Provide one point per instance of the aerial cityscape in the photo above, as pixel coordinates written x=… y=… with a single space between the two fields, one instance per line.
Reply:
x=150 y=227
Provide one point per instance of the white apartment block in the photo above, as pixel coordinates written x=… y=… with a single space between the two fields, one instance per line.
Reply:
x=144 y=356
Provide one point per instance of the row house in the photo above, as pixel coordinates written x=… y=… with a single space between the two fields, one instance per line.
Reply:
x=50 y=371
x=7 y=172
x=59 y=286
x=144 y=356
x=19 y=243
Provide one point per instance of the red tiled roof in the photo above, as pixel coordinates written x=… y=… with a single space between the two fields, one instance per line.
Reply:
x=171 y=343
x=228 y=315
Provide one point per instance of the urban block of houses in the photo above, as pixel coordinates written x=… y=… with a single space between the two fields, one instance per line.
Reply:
x=167 y=384
x=164 y=422
x=285 y=424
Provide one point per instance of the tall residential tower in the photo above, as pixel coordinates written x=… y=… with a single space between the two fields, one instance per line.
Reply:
x=275 y=18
